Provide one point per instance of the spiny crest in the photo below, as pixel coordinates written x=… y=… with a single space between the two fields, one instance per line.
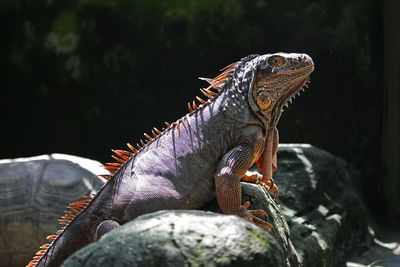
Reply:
x=217 y=84
x=122 y=156
x=75 y=209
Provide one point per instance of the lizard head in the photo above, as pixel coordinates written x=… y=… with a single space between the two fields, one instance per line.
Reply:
x=279 y=77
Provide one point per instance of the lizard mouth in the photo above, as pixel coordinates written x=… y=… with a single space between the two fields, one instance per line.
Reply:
x=296 y=88
x=295 y=92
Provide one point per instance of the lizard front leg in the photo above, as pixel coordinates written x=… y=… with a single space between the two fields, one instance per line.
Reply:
x=255 y=177
x=231 y=168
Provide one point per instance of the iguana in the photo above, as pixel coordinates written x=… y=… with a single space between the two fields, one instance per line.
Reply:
x=204 y=154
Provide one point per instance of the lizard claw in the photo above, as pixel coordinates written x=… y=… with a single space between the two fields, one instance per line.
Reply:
x=252 y=216
x=266 y=227
x=270 y=186
x=255 y=177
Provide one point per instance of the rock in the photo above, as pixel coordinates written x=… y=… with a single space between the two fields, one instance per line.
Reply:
x=318 y=203
x=182 y=238
x=327 y=219
x=33 y=195
x=385 y=250
x=260 y=199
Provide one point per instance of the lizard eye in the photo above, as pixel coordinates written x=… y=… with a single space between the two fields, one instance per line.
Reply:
x=276 y=61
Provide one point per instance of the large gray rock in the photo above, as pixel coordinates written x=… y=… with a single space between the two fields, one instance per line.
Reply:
x=327 y=222
x=260 y=199
x=385 y=251
x=327 y=219
x=182 y=238
x=33 y=195
x=220 y=232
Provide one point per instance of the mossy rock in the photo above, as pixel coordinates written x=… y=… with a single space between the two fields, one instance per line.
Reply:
x=182 y=238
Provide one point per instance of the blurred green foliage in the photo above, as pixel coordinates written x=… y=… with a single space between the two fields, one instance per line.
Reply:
x=84 y=76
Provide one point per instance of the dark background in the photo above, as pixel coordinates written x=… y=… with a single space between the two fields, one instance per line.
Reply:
x=82 y=77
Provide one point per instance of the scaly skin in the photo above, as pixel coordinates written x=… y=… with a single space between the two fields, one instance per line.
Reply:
x=204 y=154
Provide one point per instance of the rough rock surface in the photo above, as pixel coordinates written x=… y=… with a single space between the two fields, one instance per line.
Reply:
x=326 y=217
x=182 y=238
x=385 y=251
x=327 y=220
x=260 y=199
x=33 y=195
